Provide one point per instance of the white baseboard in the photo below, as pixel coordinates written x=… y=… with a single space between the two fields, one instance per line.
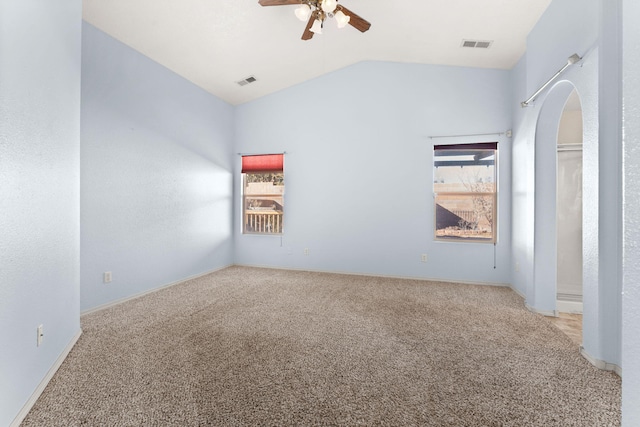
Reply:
x=386 y=276
x=43 y=384
x=150 y=291
x=573 y=307
x=550 y=313
x=561 y=307
x=517 y=291
x=601 y=364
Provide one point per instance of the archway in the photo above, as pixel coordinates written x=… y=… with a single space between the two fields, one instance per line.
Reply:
x=545 y=278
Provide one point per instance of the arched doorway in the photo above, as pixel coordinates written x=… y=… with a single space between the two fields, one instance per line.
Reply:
x=556 y=244
x=569 y=207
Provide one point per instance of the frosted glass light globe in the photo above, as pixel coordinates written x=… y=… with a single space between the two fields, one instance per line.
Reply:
x=303 y=12
x=328 y=6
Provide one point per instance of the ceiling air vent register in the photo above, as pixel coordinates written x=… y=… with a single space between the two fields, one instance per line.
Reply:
x=246 y=81
x=479 y=44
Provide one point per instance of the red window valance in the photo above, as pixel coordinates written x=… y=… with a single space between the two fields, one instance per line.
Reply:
x=263 y=163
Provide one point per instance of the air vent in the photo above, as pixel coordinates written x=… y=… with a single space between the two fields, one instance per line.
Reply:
x=479 y=44
x=246 y=81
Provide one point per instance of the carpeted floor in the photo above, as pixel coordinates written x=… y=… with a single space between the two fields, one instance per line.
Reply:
x=247 y=346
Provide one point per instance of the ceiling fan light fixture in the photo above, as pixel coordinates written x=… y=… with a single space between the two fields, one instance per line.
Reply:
x=328 y=6
x=303 y=12
x=341 y=19
x=316 y=27
x=316 y=12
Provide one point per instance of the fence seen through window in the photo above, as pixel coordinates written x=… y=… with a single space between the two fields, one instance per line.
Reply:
x=464 y=184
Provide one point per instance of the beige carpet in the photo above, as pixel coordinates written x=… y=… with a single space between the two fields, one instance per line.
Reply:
x=246 y=347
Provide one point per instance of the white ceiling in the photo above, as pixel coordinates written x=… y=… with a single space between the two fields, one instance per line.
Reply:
x=215 y=43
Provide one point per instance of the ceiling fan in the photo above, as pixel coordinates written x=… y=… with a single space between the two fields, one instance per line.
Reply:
x=317 y=11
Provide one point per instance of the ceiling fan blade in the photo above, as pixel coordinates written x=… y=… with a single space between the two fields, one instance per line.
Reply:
x=308 y=34
x=356 y=21
x=277 y=2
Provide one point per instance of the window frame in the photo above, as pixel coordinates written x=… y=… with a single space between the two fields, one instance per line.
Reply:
x=466 y=147
x=262 y=164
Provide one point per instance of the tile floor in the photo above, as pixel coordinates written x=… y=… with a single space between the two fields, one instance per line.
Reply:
x=570 y=324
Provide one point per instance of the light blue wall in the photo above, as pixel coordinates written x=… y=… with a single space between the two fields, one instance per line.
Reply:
x=39 y=191
x=359 y=173
x=523 y=184
x=631 y=277
x=160 y=188
x=156 y=165
x=610 y=163
x=567 y=27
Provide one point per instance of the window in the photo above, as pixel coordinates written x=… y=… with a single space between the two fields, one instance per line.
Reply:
x=464 y=184
x=263 y=194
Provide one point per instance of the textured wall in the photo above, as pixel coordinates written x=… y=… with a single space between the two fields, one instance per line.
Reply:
x=535 y=129
x=523 y=178
x=39 y=191
x=565 y=28
x=364 y=133
x=609 y=158
x=155 y=174
x=631 y=276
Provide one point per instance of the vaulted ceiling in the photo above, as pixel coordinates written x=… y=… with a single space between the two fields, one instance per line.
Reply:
x=216 y=43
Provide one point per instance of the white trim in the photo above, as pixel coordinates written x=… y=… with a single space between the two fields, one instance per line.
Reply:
x=601 y=364
x=561 y=306
x=467 y=135
x=387 y=276
x=150 y=291
x=569 y=307
x=43 y=384
x=549 y=313
x=517 y=291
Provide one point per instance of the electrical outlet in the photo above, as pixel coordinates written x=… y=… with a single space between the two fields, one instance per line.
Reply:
x=517 y=267
x=306 y=251
x=423 y=258
x=106 y=277
x=40 y=336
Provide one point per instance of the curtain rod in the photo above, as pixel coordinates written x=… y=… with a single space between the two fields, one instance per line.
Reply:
x=570 y=61
x=259 y=154
x=508 y=133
